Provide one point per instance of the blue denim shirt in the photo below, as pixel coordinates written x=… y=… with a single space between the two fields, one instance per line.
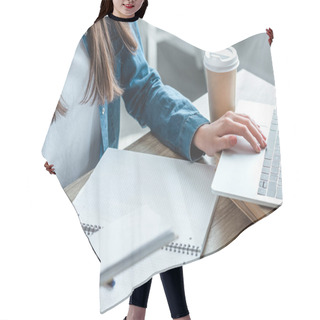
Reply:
x=171 y=117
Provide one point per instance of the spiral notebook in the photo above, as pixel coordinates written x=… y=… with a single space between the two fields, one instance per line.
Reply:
x=125 y=238
x=178 y=191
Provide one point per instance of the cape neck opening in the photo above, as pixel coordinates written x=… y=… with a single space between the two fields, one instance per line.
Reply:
x=113 y=17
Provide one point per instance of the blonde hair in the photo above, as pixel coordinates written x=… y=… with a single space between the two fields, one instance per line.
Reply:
x=102 y=84
x=60 y=109
x=102 y=77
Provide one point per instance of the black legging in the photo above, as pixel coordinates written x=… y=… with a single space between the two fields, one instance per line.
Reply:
x=172 y=281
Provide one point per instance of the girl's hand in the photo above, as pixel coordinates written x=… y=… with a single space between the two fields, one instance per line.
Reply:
x=221 y=134
x=49 y=168
x=270 y=34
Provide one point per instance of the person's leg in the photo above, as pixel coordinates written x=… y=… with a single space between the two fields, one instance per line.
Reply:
x=172 y=281
x=138 y=302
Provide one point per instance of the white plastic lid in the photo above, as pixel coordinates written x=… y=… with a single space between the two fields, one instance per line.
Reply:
x=221 y=61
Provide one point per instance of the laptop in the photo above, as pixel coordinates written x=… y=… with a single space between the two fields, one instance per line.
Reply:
x=246 y=175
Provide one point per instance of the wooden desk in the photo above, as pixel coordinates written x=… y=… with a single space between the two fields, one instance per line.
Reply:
x=230 y=218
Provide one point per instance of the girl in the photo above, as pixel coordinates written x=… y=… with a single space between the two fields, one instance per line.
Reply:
x=118 y=68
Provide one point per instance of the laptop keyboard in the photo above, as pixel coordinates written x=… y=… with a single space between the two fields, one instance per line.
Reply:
x=270 y=180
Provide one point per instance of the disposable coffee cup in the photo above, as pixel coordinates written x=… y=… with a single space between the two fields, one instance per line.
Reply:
x=221 y=70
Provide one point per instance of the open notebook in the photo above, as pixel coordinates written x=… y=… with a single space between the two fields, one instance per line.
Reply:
x=176 y=192
x=124 y=237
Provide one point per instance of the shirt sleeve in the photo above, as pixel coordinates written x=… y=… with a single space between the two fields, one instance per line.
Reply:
x=172 y=118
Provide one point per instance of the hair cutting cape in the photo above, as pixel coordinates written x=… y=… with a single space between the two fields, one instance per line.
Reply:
x=146 y=206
